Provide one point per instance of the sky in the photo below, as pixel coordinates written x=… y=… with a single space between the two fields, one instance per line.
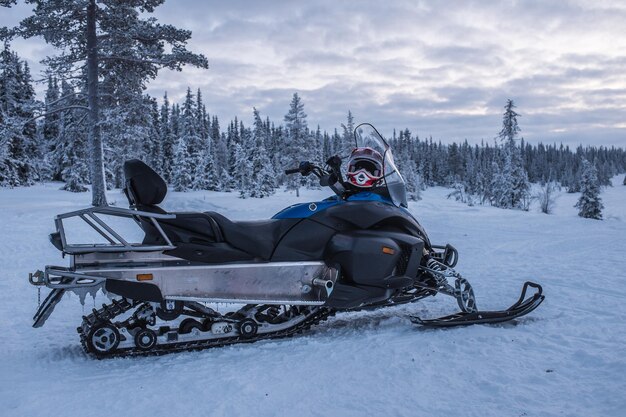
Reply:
x=439 y=68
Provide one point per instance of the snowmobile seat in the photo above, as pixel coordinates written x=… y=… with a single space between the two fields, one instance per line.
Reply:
x=212 y=238
x=144 y=187
x=204 y=237
x=258 y=238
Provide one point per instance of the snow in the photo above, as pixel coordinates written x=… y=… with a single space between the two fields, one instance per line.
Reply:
x=564 y=359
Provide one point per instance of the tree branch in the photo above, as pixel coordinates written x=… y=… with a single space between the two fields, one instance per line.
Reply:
x=64 y=97
x=138 y=61
x=48 y=113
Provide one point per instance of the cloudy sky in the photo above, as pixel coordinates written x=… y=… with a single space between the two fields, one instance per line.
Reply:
x=441 y=68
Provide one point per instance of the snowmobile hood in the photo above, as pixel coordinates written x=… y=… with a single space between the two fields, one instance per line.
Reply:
x=304 y=210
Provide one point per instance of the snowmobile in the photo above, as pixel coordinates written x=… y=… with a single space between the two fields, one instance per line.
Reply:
x=198 y=280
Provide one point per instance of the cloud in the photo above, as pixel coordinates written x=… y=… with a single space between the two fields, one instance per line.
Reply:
x=439 y=68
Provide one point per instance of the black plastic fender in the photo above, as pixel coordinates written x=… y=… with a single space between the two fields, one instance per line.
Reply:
x=371 y=257
x=139 y=291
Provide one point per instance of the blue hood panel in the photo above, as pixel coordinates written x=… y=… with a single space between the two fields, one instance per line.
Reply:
x=304 y=210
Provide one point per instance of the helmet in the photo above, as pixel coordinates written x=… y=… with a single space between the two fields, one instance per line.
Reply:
x=365 y=167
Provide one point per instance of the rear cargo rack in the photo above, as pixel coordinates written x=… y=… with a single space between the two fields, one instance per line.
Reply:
x=116 y=243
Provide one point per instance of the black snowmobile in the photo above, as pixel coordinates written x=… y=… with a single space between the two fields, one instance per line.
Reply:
x=359 y=249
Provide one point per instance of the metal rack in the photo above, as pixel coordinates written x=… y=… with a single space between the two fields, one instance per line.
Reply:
x=116 y=243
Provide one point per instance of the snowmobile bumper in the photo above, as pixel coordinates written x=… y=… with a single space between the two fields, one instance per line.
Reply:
x=60 y=279
x=522 y=307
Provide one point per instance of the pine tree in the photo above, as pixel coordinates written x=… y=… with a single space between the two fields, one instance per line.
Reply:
x=263 y=183
x=589 y=204
x=347 y=143
x=168 y=143
x=155 y=141
x=182 y=179
x=511 y=183
x=99 y=40
x=50 y=129
x=406 y=165
x=19 y=147
x=243 y=176
x=297 y=132
x=70 y=149
x=206 y=176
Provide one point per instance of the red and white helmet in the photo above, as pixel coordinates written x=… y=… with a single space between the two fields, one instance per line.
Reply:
x=365 y=167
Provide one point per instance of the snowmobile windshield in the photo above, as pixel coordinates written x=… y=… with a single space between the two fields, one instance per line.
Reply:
x=366 y=136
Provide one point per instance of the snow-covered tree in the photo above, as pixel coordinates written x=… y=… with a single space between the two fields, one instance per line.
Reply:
x=347 y=142
x=263 y=176
x=19 y=147
x=50 y=128
x=111 y=47
x=182 y=176
x=511 y=181
x=243 y=176
x=206 y=176
x=406 y=165
x=296 y=141
x=168 y=141
x=69 y=151
x=589 y=204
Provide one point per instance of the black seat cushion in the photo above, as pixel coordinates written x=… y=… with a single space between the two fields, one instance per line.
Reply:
x=197 y=238
x=258 y=238
x=144 y=187
x=211 y=237
x=206 y=237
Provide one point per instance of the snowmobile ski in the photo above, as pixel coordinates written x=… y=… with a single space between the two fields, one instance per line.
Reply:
x=522 y=307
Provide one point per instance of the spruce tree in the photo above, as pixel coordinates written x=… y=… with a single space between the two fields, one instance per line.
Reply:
x=511 y=183
x=206 y=176
x=19 y=147
x=182 y=175
x=347 y=143
x=155 y=141
x=50 y=129
x=296 y=141
x=167 y=139
x=98 y=40
x=589 y=204
x=263 y=178
x=243 y=175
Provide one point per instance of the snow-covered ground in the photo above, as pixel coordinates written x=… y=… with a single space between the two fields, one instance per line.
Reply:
x=568 y=358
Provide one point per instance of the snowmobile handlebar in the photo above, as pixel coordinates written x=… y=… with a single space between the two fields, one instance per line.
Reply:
x=305 y=168
x=329 y=177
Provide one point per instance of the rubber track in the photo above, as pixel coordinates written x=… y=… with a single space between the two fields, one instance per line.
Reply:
x=117 y=307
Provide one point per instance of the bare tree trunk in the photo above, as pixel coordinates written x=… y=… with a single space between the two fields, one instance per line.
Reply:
x=98 y=187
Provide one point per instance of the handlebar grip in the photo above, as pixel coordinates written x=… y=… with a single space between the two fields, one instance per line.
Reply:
x=292 y=171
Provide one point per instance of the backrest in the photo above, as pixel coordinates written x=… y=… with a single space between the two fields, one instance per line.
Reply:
x=144 y=187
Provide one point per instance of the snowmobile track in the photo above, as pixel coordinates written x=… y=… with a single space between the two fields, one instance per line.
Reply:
x=110 y=311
